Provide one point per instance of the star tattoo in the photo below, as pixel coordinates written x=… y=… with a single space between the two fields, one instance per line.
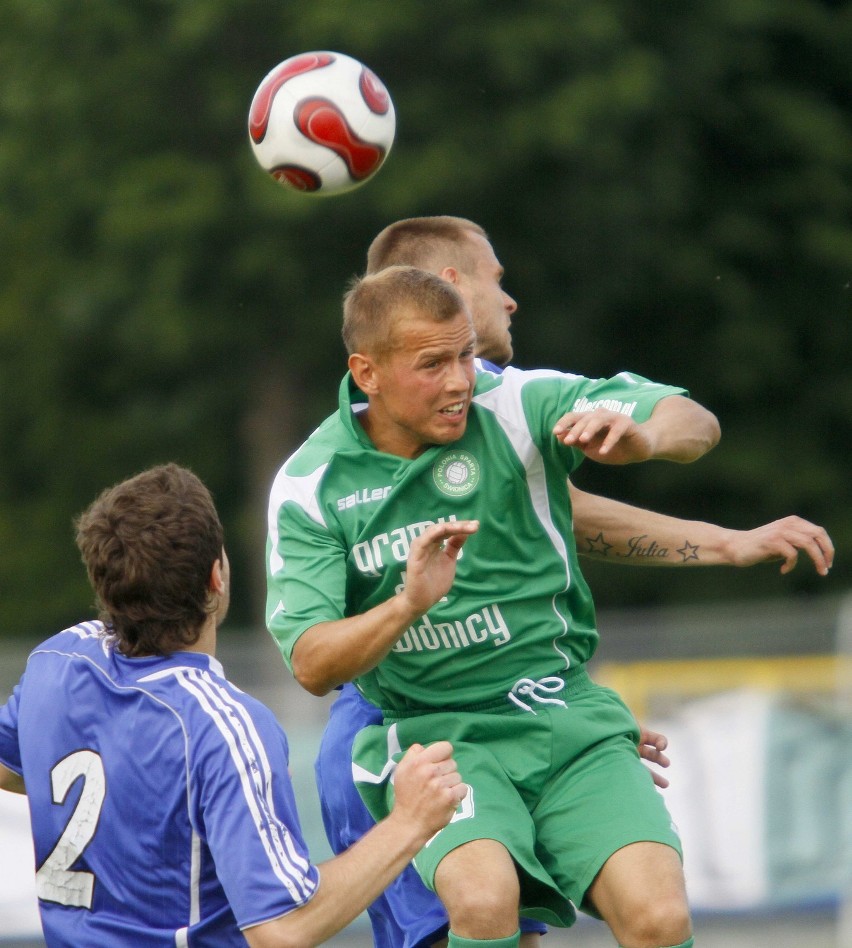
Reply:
x=598 y=545
x=688 y=551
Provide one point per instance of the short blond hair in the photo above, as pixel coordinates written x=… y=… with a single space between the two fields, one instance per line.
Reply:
x=374 y=303
x=430 y=243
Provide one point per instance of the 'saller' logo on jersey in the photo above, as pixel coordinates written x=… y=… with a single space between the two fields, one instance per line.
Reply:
x=456 y=473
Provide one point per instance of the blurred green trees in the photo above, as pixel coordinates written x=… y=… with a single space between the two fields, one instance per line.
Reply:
x=669 y=187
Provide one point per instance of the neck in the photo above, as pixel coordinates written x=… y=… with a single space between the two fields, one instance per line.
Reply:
x=206 y=643
x=389 y=442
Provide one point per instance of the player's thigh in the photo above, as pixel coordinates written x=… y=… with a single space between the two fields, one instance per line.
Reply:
x=494 y=810
x=637 y=878
x=601 y=802
x=478 y=883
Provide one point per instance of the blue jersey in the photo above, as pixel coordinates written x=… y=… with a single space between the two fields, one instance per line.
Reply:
x=161 y=806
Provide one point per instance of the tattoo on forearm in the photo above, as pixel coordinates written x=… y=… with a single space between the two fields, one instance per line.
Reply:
x=598 y=546
x=689 y=551
x=640 y=547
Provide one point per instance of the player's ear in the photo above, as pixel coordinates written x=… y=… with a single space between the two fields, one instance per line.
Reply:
x=217 y=577
x=450 y=274
x=363 y=370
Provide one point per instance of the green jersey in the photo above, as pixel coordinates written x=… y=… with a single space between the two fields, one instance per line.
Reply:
x=342 y=516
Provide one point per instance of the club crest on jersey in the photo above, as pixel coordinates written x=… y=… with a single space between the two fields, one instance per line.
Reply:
x=456 y=473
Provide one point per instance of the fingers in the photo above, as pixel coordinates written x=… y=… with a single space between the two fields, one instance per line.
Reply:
x=651 y=747
x=798 y=535
x=442 y=538
x=790 y=560
x=652 y=739
x=428 y=786
x=605 y=436
x=784 y=540
x=437 y=753
x=439 y=768
x=451 y=534
x=653 y=755
x=820 y=549
x=582 y=428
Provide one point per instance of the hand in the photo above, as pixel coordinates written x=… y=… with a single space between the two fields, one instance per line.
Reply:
x=651 y=747
x=782 y=540
x=428 y=787
x=431 y=566
x=605 y=436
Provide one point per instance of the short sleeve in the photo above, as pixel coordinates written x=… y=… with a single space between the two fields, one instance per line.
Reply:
x=248 y=814
x=306 y=577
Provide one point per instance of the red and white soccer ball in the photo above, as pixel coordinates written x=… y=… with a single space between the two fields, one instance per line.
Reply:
x=321 y=123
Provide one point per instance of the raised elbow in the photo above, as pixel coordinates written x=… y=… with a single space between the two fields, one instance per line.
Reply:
x=319 y=689
x=310 y=677
x=714 y=430
x=717 y=428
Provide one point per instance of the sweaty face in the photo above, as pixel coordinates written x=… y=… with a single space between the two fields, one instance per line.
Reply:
x=490 y=306
x=421 y=391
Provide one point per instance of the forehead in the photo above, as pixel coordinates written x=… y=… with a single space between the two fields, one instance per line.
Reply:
x=416 y=330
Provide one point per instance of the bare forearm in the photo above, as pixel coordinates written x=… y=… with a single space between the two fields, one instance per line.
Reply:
x=330 y=653
x=681 y=430
x=348 y=884
x=606 y=529
x=428 y=789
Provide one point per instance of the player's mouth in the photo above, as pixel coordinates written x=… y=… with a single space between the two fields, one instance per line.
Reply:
x=456 y=410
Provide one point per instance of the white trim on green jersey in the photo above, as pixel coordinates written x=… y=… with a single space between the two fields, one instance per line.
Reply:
x=342 y=517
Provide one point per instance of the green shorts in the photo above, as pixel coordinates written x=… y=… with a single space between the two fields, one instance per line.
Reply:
x=561 y=786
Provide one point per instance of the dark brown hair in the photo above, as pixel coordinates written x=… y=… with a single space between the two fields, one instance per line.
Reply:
x=149 y=545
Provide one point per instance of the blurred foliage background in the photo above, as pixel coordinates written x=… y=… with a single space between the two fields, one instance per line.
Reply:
x=669 y=187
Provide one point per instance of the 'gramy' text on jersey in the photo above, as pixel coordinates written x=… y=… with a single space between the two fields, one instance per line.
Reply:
x=371 y=556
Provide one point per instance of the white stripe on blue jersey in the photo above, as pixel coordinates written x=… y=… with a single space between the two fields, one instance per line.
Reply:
x=250 y=762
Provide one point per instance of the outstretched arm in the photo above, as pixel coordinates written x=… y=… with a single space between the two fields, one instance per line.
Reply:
x=678 y=429
x=330 y=653
x=606 y=529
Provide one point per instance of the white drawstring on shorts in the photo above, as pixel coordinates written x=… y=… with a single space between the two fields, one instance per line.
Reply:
x=537 y=690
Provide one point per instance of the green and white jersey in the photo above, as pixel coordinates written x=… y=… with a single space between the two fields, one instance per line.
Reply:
x=342 y=516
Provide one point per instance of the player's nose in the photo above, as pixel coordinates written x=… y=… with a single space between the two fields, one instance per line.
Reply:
x=458 y=379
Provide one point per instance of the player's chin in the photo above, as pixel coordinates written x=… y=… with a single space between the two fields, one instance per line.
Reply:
x=450 y=428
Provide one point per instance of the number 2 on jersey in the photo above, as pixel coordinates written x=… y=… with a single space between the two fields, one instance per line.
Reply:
x=55 y=880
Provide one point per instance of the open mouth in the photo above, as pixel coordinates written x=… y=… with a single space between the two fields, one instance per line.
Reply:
x=454 y=410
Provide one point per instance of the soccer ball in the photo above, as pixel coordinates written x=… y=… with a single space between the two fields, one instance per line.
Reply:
x=321 y=123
